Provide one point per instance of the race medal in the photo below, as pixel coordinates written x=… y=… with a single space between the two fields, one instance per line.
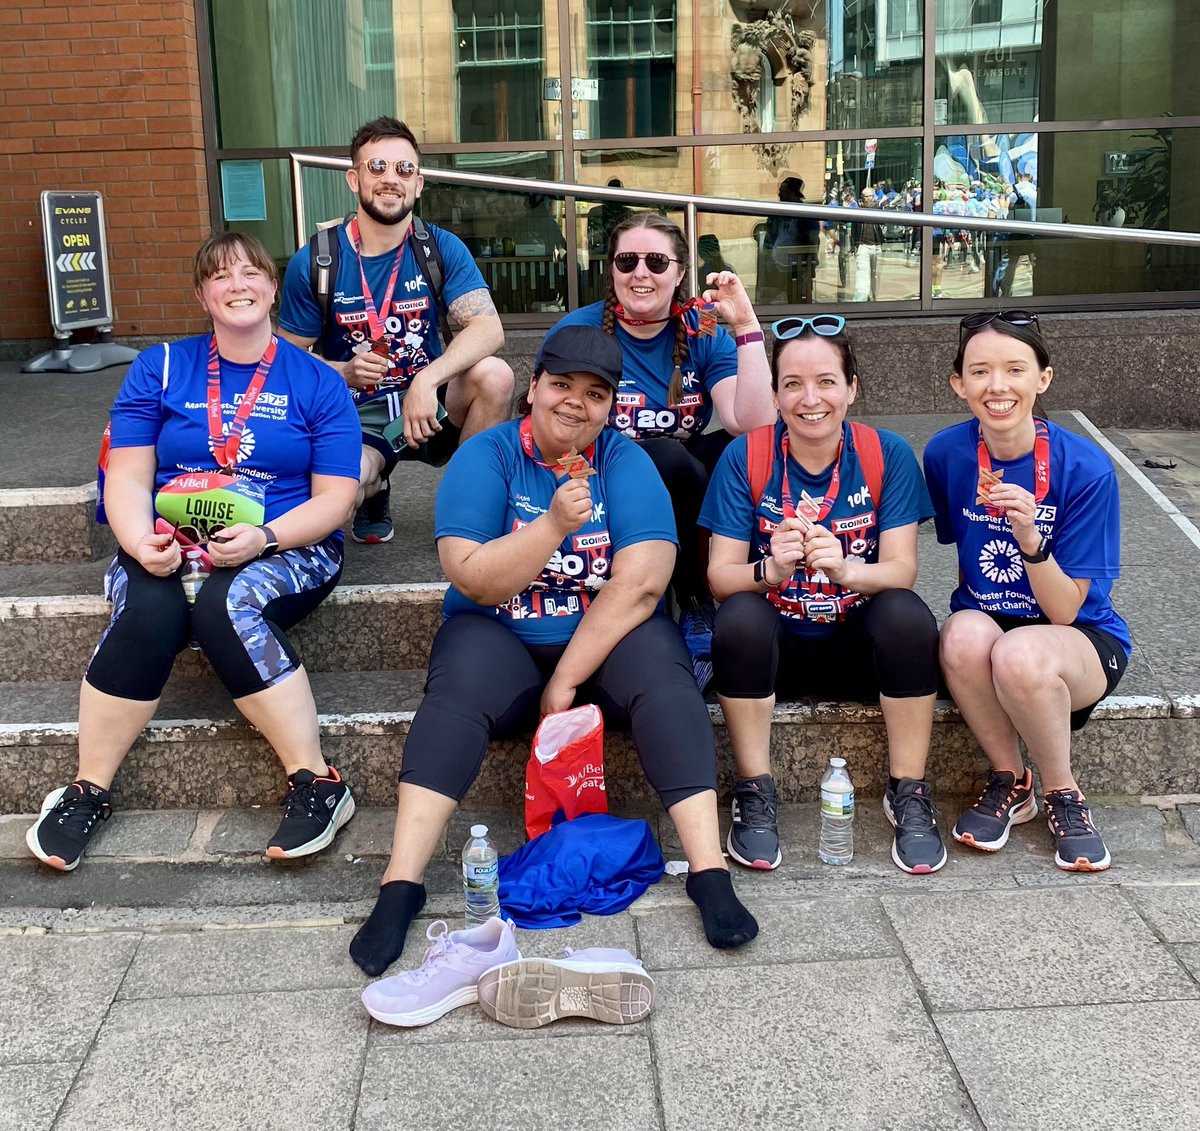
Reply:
x=574 y=466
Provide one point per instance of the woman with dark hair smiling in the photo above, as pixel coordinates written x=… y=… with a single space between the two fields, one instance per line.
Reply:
x=814 y=554
x=1033 y=642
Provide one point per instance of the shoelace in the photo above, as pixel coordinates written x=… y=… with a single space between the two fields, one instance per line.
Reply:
x=79 y=812
x=924 y=816
x=1069 y=815
x=998 y=794
x=303 y=799
x=435 y=954
x=756 y=808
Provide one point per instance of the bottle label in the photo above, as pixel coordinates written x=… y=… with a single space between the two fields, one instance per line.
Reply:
x=835 y=803
x=481 y=877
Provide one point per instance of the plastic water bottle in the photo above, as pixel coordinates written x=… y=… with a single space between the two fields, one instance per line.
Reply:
x=837 y=814
x=481 y=877
x=194 y=576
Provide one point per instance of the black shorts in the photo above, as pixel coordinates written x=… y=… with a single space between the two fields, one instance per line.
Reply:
x=1112 y=657
x=378 y=418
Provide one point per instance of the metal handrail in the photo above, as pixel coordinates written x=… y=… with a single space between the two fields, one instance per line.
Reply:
x=693 y=205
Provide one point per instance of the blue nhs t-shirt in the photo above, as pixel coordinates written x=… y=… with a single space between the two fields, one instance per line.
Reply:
x=1080 y=516
x=491 y=488
x=811 y=604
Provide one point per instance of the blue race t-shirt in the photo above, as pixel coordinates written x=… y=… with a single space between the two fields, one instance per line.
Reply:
x=811 y=604
x=491 y=488
x=641 y=407
x=411 y=321
x=303 y=424
x=1080 y=515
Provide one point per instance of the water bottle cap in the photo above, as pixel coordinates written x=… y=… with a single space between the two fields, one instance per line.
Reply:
x=837 y=763
x=479 y=831
x=193 y=555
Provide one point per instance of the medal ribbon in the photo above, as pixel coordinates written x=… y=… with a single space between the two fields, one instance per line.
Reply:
x=374 y=320
x=528 y=449
x=225 y=451
x=1041 y=463
x=707 y=323
x=835 y=481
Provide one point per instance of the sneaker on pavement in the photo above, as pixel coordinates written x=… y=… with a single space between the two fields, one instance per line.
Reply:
x=1005 y=802
x=448 y=976
x=600 y=983
x=1078 y=847
x=66 y=823
x=313 y=811
x=754 y=835
x=696 y=624
x=917 y=847
x=373 y=520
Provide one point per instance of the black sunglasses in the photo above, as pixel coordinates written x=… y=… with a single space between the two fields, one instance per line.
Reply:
x=827 y=325
x=986 y=317
x=656 y=262
x=377 y=166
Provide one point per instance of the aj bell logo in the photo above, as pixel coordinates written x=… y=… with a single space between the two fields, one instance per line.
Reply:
x=1000 y=562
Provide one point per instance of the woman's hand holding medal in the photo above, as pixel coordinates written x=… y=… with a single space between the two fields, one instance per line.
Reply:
x=1020 y=508
x=571 y=506
x=236 y=545
x=159 y=554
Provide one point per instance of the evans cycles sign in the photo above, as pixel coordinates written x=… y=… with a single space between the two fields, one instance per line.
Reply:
x=76 y=260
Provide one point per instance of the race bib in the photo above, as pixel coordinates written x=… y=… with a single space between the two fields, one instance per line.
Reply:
x=202 y=503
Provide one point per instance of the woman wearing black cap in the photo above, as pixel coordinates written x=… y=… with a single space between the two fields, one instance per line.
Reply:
x=558 y=539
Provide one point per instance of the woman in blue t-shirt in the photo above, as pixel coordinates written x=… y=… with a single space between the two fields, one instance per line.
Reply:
x=814 y=568
x=555 y=586
x=241 y=401
x=679 y=366
x=1033 y=642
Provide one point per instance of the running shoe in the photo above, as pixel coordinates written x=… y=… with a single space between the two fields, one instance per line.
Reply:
x=68 y=818
x=600 y=983
x=696 y=624
x=448 y=976
x=917 y=847
x=372 y=523
x=754 y=835
x=1078 y=847
x=313 y=811
x=1004 y=802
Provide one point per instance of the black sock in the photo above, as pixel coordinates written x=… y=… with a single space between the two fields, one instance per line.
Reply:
x=380 y=940
x=893 y=784
x=726 y=922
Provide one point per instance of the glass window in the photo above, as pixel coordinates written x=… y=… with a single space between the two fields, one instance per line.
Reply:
x=499 y=69
x=631 y=58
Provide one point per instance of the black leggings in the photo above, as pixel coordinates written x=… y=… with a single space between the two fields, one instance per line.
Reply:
x=485 y=683
x=887 y=647
x=686 y=467
x=240 y=621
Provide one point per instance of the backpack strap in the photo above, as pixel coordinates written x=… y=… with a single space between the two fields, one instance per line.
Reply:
x=323 y=251
x=760 y=455
x=870 y=457
x=429 y=263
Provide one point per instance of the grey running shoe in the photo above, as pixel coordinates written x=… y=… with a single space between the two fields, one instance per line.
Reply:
x=1005 y=802
x=754 y=835
x=1078 y=847
x=917 y=847
x=373 y=520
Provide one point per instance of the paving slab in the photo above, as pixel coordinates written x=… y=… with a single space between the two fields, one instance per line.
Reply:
x=1026 y=1071
x=1085 y=945
x=144 y=834
x=583 y=1082
x=30 y=1095
x=241 y=961
x=1191 y=820
x=801 y=930
x=834 y=1044
x=1189 y=955
x=285 y=1061
x=38 y=1020
x=1174 y=912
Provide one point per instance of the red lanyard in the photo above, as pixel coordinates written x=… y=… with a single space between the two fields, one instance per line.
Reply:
x=1041 y=462
x=225 y=451
x=706 y=325
x=558 y=468
x=818 y=514
x=374 y=321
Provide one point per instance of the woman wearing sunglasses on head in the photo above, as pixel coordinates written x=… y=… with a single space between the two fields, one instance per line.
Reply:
x=241 y=401
x=679 y=366
x=1033 y=642
x=814 y=554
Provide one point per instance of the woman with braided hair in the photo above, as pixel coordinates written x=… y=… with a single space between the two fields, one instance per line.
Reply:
x=679 y=366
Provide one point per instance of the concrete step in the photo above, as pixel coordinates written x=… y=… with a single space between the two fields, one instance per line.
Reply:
x=199 y=753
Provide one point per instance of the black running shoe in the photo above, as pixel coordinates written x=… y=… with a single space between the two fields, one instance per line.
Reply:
x=754 y=835
x=372 y=523
x=66 y=823
x=1005 y=802
x=1078 y=847
x=313 y=811
x=917 y=847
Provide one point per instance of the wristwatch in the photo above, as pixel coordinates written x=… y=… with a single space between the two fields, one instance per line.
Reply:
x=760 y=571
x=272 y=546
x=1040 y=555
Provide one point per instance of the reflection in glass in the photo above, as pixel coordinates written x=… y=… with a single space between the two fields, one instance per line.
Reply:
x=499 y=57
x=631 y=57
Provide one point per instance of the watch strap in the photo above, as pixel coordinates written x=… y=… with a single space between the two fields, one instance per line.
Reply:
x=272 y=546
x=1039 y=555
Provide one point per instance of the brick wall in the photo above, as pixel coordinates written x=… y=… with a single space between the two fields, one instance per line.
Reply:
x=106 y=97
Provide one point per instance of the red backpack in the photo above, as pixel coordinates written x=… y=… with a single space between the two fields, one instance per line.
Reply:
x=760 y=457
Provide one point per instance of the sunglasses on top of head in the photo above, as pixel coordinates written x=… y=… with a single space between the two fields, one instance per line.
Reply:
x=986 y=317
x=377 y=166
x=826 y=325
x=656 y=261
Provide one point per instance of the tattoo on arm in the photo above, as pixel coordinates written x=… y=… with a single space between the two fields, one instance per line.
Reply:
x=472 y=305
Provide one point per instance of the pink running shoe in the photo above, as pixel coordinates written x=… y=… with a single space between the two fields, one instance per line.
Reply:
x=447 y=978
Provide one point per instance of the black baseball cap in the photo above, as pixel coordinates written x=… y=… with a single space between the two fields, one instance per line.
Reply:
x=581 y=349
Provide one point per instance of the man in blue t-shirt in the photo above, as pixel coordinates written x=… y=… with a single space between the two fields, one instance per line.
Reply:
x=382 y=335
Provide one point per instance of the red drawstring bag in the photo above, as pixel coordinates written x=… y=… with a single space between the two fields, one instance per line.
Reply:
x=566 y=768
